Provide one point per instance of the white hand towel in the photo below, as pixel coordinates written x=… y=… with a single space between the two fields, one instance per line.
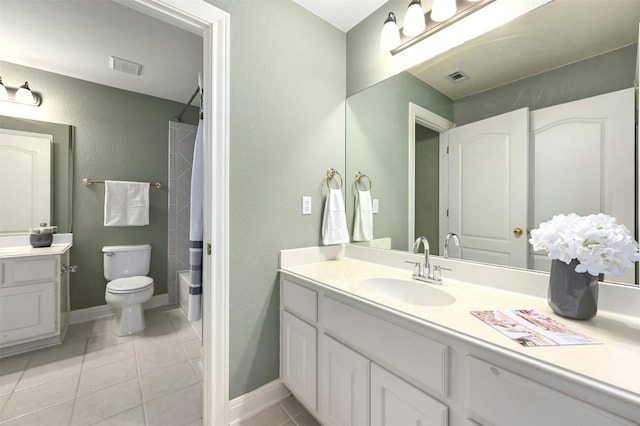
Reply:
x=334 y=219
x=363 y=221
x=126 y=203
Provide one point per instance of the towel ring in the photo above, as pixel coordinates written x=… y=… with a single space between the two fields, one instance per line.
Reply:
x=331 y=172
x=359 y=177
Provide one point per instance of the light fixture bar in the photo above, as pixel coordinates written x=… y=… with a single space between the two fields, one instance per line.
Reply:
x=35 y=100
x=464 y=7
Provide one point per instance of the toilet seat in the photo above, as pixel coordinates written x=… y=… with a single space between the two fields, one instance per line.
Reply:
x=129 y=285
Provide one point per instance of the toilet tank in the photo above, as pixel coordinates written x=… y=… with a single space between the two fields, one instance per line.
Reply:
x=126 y=261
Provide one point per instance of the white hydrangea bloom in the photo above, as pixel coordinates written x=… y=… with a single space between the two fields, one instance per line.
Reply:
x=597 y=241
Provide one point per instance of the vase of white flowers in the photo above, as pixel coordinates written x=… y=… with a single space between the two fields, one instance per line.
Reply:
x=582 y=248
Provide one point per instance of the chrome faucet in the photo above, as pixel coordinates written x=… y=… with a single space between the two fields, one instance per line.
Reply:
x=423 y=272
x=456 y=240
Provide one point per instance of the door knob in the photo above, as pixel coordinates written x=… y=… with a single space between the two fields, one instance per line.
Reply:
x=518 y=231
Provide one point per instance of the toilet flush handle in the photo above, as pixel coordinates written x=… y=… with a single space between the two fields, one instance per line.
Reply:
x=110 y=254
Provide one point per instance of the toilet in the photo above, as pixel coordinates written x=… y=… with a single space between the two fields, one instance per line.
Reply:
x=128 y=287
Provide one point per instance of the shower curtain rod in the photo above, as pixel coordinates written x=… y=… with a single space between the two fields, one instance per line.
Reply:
x=187 y=105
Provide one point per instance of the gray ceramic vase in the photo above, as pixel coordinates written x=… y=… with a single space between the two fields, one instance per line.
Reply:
x=572 y=294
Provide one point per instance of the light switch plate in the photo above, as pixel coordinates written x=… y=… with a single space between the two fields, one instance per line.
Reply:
x=306 y=204
x=376 y=205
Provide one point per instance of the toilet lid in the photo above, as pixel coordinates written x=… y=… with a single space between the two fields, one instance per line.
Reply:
x=129 y=284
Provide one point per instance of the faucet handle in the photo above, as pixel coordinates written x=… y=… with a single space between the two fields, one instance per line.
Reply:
x=437 y=272
x=417 y=267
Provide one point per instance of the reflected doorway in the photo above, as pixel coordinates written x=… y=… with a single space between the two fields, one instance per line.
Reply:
x=427 y=184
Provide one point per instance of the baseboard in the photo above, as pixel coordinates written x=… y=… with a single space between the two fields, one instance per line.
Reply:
x=252 y=403
x=95 y=312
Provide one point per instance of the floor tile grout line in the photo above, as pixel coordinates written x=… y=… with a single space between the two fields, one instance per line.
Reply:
x=145 y=417
x=3 y=421
x=75 y=395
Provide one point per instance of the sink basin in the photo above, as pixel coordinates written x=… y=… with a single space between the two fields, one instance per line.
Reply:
x=405 y=291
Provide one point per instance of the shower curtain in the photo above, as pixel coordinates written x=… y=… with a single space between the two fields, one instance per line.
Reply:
x=195 y=225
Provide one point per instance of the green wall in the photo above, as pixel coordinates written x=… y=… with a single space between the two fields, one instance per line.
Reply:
x=287 y=128
x=377 y=145
x=119 y=135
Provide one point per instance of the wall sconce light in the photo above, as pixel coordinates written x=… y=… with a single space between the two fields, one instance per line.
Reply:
x=21 y=95
x=418 y=26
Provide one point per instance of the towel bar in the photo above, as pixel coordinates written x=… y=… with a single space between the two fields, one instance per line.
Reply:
x=331 y=172
x=359 y=177
x=89 y=181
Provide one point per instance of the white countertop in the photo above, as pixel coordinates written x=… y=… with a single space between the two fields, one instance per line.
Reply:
x=18 y=246
x=614 y=363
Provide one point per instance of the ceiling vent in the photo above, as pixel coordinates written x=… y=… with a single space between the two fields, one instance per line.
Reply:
x=123 y=65
x=457 y=76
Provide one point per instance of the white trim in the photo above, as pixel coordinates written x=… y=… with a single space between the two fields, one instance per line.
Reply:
x=251 y=403
x=426 y=118
x=102 y=311
x=213 y=25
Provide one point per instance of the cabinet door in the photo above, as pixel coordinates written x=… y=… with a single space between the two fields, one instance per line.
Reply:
x=395 y=402
x=498 y=397
x=299 y=365
x=344 y=385
x=27 y=311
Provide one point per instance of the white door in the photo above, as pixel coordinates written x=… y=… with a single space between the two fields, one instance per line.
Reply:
x=25 y=179
x=488 y=188
x=395 y=402
x=344 y=385
x=582 y=157
x=27 y=311
x=299 y=358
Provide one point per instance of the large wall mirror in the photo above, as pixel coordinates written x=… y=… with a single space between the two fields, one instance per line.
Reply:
x=49 y=195
x=560 y=56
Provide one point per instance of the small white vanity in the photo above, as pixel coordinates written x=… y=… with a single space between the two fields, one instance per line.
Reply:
x=355 y=355
x=34 y=293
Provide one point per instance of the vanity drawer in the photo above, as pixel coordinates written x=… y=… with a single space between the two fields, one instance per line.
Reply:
x=499 y=397
x=300 y=300
x=28 y=270
x=418 y=359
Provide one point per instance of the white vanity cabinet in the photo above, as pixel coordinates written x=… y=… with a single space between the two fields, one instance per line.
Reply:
x=34 y=302
x=497 y=396
x=298 y=342
x=344 y=385
x=356 y=363
x=355 y=350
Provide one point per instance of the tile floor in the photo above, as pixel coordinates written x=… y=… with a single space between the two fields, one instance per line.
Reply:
x=97 y=378
x=288 y=412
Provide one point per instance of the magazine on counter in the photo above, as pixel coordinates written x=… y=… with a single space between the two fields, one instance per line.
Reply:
x=530 y=328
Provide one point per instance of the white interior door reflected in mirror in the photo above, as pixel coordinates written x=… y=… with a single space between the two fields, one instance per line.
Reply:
x=25 y=180
x=488 y=191
x=576 y=148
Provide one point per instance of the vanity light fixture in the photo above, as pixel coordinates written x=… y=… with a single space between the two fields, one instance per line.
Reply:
x=390 y=37
x=418 y=26
x=22 y=95
x=443 y=10
x=414 y=19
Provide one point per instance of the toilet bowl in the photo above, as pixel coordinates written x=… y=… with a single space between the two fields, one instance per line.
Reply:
x=126 y=296
x=128 y=287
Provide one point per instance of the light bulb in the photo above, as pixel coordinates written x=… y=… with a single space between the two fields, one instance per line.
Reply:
x=443 y=10
x=390 y=37
x=24 y=95
x=414 y=22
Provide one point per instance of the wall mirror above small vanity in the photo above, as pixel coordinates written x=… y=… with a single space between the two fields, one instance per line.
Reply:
x=50 y=195
x=551 y=57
